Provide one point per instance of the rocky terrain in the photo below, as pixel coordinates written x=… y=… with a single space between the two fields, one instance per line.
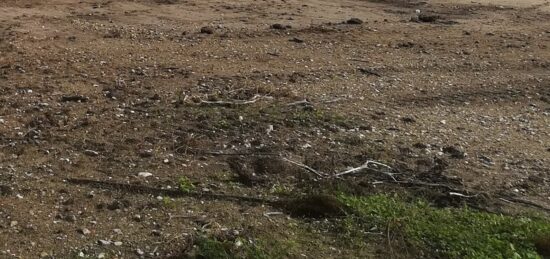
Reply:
x=135 y=128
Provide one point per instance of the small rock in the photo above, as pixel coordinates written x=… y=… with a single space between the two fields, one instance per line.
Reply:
x=455 y=152
x=117 y=243
x=354 y=21
x=13 y=223
x=44 y=255
x=144 y=174
x=408 y=120
x=137 y=217
x=486 y=160
x=90 y=195
x=101 y=255
x=269 y=129
x=139 y=252
x=104 y=242
x=84 y=231
x=118 y=231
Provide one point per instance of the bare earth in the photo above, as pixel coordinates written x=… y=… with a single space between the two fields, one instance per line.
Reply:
x=106 y=90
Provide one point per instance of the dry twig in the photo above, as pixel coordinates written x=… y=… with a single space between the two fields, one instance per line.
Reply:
x=320 y=174
x=366 y=165
x=233 y=102
x=302 y=102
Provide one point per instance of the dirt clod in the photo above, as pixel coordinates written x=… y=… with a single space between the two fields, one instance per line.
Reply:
x=296 y=40
x=316 y=206
x=74 y=98
x=244 y=171
x=428 y=18
x=354 y=21
x=207 y=30
x=454 y=152
x=278 y=26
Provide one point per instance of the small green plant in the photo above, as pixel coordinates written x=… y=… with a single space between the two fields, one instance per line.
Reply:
x=320 y=117
x=280 y=189
x=185 y=185
x=212 y=248
x=208 y=247
x=223 y=124
x=447 y=232
x=167 y=202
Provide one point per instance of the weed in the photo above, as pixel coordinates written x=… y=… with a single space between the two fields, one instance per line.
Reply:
x=208 y=247
x=185 y=185
x=167 y=202
x=280 y=189
x=448 y=232
x=212 y=248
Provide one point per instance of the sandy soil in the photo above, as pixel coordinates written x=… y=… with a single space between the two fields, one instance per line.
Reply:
x=106 y=90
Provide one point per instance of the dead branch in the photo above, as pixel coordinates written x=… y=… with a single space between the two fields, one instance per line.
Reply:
x=333 y=100
x=268 y=214
x=419 y=183
x=525 y=202
x=233 y=102
x=366 y=165
x=462 y=195
x=302 y=102
x=359 y=60
x=307 y=168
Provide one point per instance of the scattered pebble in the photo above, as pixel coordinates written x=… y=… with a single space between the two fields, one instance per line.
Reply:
x=144 y=174
x=84 y=231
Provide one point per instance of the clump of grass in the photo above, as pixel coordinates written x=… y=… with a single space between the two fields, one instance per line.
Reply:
x=212 y=248
x=167 y=202
x=208 y=247
x=185 y=185
x=447 y=232
x=319 y=117
x=281 y=189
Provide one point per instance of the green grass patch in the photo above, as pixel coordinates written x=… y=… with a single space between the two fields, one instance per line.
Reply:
x=208 y=247
x=445 y=232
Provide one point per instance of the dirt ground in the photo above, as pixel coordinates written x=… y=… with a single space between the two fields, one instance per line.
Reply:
x=107 y=107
